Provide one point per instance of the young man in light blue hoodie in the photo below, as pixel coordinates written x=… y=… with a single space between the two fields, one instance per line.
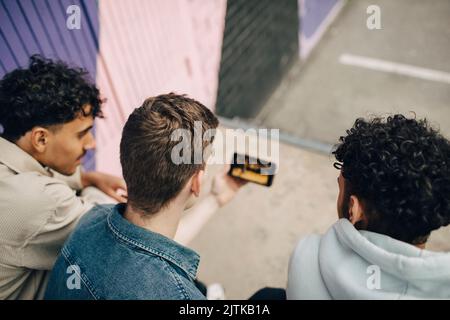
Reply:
x=394 y=190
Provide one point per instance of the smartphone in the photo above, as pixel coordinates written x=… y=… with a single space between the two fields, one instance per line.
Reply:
x=252 y=169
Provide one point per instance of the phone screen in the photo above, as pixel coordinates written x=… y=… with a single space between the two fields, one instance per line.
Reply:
x=252 y=169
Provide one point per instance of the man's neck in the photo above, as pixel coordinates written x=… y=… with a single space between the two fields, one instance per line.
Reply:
x=164 y=222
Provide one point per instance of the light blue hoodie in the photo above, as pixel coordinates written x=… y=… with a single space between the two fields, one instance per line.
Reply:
x=346 y=263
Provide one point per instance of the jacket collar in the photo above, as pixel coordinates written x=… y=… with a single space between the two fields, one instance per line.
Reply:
x=18 y=160
x=153 y=242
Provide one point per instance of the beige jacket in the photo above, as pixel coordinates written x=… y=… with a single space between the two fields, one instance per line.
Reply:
x=38 y=210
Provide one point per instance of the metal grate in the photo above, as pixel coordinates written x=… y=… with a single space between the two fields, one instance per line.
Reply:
x=260 y=43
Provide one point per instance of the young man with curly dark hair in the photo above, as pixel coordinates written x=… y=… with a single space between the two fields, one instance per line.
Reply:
x=47 y=111
x=394 y=190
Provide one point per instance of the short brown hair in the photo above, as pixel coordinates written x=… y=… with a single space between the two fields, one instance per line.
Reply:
x=152 y=178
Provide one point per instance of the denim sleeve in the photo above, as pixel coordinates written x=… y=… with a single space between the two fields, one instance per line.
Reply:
x=66 y=283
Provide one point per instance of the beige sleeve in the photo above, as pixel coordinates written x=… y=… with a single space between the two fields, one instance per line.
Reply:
x=41 y=248
x=73 y=181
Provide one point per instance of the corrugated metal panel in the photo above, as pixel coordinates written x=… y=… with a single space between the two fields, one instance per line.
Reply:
x=260 y=43
x=28 y=27
x=153 y=47
x=39 y=26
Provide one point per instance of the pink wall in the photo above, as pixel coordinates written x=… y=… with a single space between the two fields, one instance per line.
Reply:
x=153 y=47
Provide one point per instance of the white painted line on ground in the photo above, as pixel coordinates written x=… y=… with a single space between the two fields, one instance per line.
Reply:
x=393 y=67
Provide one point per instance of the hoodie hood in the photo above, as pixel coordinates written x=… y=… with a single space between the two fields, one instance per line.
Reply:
x=366 y=265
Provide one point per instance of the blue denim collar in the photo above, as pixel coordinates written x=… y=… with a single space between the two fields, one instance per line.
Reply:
x=152 y=242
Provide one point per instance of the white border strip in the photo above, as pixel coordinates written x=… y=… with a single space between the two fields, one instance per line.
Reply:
x=393 y=67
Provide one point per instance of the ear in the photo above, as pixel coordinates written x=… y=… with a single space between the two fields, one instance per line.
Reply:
x=356 y=213
x=197 y=182
x=39 y=138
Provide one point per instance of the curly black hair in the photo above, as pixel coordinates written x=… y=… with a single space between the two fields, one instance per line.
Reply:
x=46 y=93
x=400 y=169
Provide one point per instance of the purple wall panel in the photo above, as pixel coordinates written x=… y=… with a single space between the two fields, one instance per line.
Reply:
x=15 y=45
x=315 y=17
x=36 y=27
x=21 y=27
x=315 y=13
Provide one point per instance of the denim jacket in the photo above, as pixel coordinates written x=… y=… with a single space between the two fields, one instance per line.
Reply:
x=108 y=257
